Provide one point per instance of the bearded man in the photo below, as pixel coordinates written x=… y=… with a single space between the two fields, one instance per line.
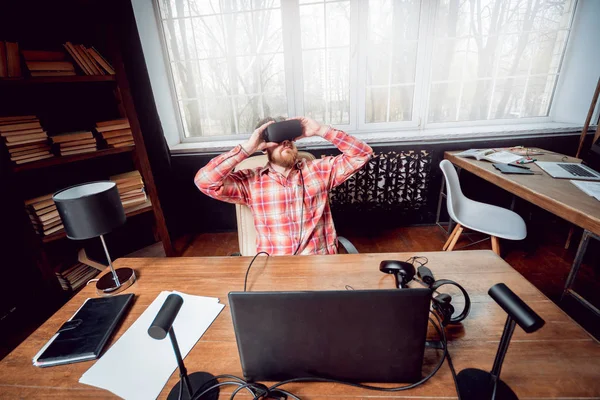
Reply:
x=288 y=197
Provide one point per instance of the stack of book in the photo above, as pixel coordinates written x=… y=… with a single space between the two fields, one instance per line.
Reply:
x=44 y=215
x=24 y=138
x=70 y=143
x=76 y=276
x=89 y=60
x=47 y=63
x=10 y=61
x=116 y=133
x=131 y=189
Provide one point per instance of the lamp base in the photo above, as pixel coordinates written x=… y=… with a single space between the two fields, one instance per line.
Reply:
x=106 y=285
x=475 y=384
x=197 y=381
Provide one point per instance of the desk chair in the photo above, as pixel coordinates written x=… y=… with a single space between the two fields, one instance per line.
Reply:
x=245 y=221
x=485 y=218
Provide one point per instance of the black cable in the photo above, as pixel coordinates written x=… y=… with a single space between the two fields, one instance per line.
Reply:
x=302 y=212
x=362 y=386
x=250 y=266
x=422 y=260
x=450 y=363
x=213 y=387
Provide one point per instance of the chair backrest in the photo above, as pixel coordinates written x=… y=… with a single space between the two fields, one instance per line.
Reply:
x=245 y=221
x=455 y=199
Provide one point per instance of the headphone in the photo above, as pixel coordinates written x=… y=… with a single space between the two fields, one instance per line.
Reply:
x=404 y=272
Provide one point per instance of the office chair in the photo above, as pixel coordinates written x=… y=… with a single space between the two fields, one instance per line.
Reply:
x=245 y=221
x=485 y=218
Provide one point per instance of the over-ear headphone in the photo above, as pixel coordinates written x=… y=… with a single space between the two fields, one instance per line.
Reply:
x=404 y=272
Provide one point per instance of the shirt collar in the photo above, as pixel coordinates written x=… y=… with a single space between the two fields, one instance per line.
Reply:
x=268 y=167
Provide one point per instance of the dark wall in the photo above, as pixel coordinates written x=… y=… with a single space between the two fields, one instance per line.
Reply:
x=199 y=213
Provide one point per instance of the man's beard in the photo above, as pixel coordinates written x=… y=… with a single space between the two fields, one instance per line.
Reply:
x=284 y=159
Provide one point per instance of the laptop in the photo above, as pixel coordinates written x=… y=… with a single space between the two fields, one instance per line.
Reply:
x=350 y=335
x=586 y=171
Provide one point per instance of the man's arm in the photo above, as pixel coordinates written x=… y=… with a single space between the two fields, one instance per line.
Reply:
x=217 y=178
x=355 y=153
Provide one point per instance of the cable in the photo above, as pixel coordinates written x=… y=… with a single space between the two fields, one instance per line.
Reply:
x=450 y=363
x=302 y=212
x=180 y=389
x=249 y=266
x=422 y=260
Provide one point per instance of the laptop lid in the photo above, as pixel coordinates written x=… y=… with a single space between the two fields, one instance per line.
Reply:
x=351 y=335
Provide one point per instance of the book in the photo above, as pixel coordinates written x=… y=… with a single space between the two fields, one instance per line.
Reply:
x=75 y=56
x=73 y=152
x=84 y=59
x=115 y=133
x=44 y=204
x=491 y=155
x=17 y=118
x=112 y=122
x=13 y=60
x=38 y=199
x=53 y=230
x=34 y=159
x=3 y=61
x=119 y=139
x=19 y=126
x=84 y=335
x=19 y=143
x=45 y=210
x=81 y=147
x=50 y=66
x=124 y=144
x=95 y=66
x=23 y=132
x=102 y=61
x=71 y=136
x=12 y=139
x=64 y=145
x=24 y=150
x=29 y=155
x=42 y=55
x=123 y=125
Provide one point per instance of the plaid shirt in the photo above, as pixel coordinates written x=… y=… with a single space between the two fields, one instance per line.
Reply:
x=276 y=201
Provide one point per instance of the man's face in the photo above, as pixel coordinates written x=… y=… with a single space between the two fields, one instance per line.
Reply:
x=283 y=155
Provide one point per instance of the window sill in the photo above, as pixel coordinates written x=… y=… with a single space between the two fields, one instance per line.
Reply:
x=425 y=136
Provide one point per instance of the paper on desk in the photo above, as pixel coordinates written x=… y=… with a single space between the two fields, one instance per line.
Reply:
x=137 y=366
x=589 y=188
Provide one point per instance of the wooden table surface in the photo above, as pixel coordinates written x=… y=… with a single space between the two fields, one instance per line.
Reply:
x=558 y=196
x=561 y=360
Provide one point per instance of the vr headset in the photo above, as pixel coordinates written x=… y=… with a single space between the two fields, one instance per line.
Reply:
x=282 y=131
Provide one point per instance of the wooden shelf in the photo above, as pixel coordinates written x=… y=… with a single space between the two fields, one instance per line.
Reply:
x=48 y=162
x=136 y=210
x=56 y=79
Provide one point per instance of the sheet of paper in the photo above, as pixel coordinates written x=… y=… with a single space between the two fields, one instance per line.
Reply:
x=137 y=366
x=589 y=188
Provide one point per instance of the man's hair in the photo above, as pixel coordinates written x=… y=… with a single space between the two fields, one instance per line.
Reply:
x=269 y=119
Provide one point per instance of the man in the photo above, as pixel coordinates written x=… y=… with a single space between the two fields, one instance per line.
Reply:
x=288 y=198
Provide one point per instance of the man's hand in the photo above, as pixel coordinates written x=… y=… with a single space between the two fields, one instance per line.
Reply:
x=311 y=128
x=256 y=142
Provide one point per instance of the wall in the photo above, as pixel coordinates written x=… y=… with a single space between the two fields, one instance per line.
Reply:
x=199 y=213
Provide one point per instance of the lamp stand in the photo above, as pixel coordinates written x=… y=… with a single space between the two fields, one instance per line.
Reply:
x=115 y=282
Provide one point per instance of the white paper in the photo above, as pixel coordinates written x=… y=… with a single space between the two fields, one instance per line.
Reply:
x=589 y=188
x=137 y=366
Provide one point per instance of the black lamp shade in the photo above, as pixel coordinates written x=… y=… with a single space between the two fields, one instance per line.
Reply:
x=90 y=209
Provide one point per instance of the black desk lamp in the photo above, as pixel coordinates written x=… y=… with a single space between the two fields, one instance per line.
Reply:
x=476 y=384
x=90 y=210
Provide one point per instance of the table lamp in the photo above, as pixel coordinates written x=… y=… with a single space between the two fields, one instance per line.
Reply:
x=90 y=210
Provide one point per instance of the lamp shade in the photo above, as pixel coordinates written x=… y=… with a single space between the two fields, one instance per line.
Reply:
x=90 y=209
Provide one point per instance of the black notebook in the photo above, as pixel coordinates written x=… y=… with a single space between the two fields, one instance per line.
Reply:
x=83 y=336
x=511 y=169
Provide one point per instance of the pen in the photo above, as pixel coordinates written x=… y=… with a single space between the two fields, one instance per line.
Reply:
x=519 y=166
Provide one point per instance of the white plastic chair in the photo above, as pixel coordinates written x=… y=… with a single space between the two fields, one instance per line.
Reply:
x=485 y=218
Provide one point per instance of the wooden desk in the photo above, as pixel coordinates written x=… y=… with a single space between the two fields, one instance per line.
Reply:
x=559 y=361
x=558 y=196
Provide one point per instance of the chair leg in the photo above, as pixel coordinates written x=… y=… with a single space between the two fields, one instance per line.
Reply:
x=459 y=230
x=450 y=237
x=495 y=245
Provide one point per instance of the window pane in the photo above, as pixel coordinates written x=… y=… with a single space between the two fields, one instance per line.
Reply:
x=489 y=50
x=227 y=63
x=326 y=69
x=392 y=43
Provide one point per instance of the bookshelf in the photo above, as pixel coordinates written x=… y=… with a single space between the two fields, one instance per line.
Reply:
x=72 y=103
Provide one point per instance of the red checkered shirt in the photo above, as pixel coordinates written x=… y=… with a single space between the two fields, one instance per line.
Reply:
x=276 y=201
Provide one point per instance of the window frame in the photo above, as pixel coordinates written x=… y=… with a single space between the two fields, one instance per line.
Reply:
x=293 y=68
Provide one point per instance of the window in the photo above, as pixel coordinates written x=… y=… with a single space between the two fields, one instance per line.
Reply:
x=362 y=65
